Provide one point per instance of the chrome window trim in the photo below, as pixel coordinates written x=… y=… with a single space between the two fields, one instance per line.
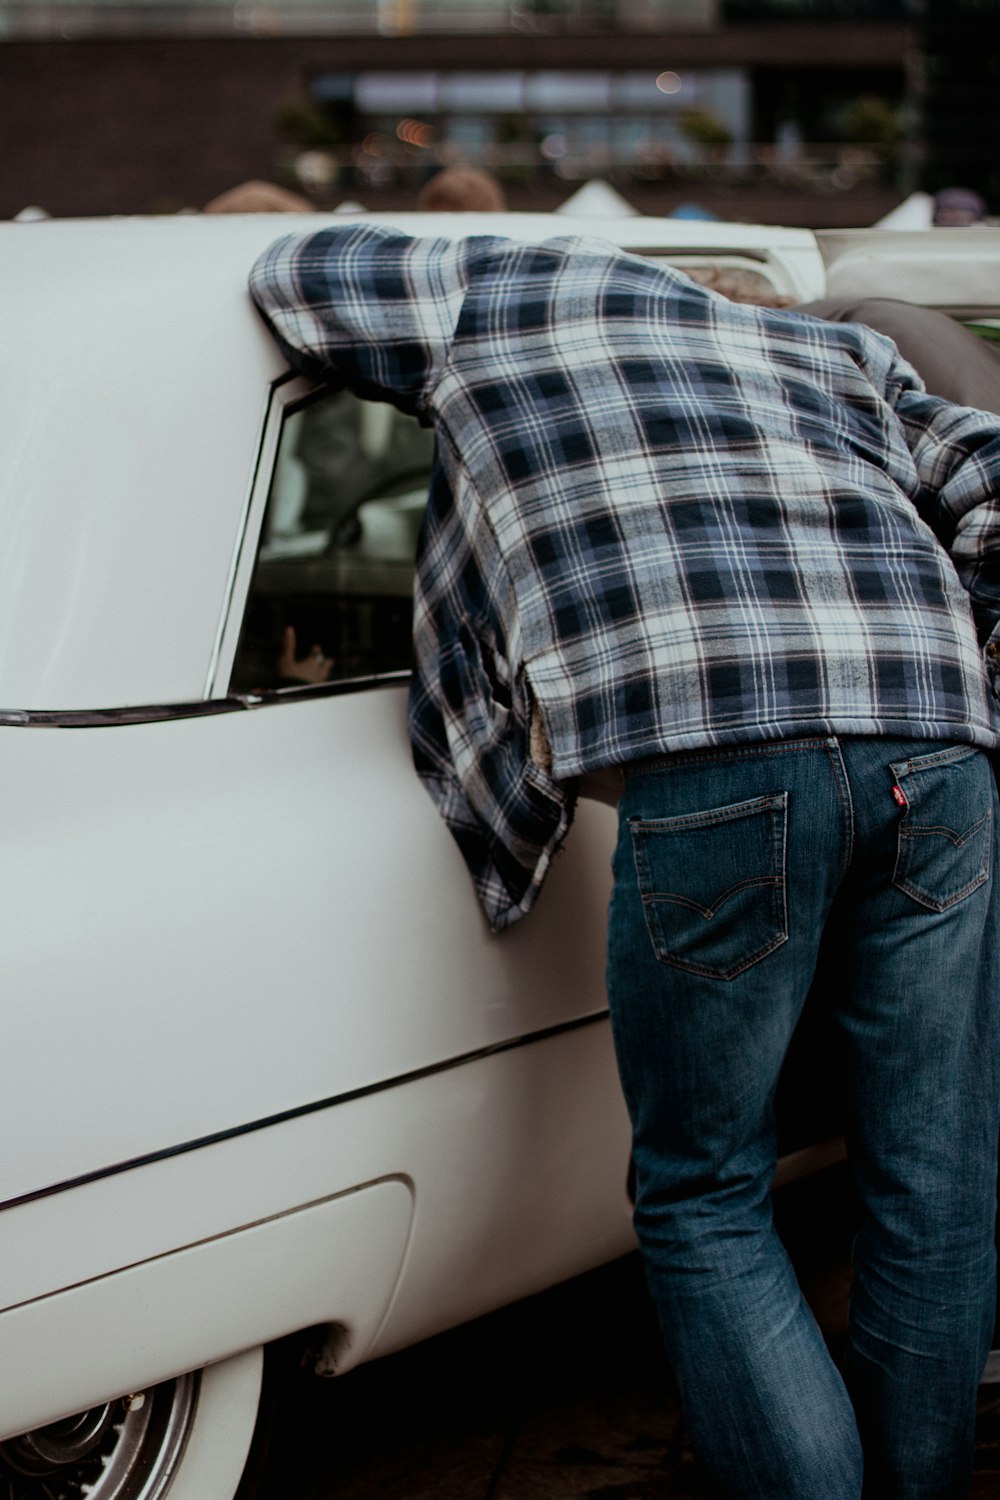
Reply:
x=283 y=394
x=227 y=598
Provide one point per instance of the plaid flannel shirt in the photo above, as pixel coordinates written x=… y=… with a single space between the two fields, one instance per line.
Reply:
x=658 y=520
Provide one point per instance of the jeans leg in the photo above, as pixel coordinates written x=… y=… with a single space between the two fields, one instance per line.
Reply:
x=918 y=916
x=726 y=867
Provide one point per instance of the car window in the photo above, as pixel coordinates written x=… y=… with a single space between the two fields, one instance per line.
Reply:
x=337 y=548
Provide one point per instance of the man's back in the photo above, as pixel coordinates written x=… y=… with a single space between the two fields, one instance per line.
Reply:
x=659 y=520
x=687 y=492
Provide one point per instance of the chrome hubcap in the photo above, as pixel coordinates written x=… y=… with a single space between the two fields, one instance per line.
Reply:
x=125 y=1450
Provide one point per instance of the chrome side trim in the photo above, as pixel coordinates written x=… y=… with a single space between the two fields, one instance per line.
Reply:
x=200 y=708
x=382 y=1086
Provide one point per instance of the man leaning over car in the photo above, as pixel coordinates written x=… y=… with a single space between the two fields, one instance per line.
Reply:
x=743 y=561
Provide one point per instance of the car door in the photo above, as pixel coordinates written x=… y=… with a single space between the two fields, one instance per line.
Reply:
x=252 y=987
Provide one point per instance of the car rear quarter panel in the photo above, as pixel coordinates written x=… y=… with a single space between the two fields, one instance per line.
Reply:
x=246 y=973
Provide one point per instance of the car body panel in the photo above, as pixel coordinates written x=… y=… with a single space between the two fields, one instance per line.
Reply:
x=254 y=1016
x=272 y=1267
x=212 y=919
x=514 y=1179
x=132 y=393
x=957 y=270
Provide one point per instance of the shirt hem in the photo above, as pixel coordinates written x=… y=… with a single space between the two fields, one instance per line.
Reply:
x=646 y=746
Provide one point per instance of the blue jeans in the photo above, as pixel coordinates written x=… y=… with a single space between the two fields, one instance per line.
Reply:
x=732 y=865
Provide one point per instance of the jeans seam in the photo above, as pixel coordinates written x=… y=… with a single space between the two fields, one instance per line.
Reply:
x=671 y=758
x=686 y=966
x=712 y=817
x=843 y=785
x=922 y=898
x=947 y=755
x=908 y=834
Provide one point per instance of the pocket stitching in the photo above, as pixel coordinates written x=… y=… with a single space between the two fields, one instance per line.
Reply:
x=907 y=835
x=959 y=840
x=673 y=899
x=747 y=963
x=713 y=818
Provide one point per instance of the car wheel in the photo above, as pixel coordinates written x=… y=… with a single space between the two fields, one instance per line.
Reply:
x=187 y=1438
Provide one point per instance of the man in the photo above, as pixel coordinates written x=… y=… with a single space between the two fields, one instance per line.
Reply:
x=462 y=189
x=702 y=545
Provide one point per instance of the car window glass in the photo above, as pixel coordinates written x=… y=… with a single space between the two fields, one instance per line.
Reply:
x=336 y=556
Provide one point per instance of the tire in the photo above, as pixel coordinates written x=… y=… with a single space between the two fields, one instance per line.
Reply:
x=186 y=1439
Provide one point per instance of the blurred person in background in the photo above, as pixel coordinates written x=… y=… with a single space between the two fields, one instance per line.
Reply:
x=958 y=207
x=462 y=190
x=257 y=197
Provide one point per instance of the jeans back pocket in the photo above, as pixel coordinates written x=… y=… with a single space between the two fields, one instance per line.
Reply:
x=945 y=834
x=713 y=885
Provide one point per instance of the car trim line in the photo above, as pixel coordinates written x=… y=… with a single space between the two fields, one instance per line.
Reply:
x=493 y=1049
x=199 y=708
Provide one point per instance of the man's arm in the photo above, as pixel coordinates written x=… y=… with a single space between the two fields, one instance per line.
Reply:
x=364 y=306
x=956 y=451
x=471 y=714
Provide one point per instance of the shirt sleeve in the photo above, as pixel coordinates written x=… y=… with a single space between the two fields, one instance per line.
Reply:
x=956 y=453
x=471 y=715
x=365 y=306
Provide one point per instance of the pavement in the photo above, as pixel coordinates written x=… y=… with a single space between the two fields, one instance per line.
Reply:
x=565 y=1396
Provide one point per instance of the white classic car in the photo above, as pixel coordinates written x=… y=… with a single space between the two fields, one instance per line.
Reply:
x=265 y=1069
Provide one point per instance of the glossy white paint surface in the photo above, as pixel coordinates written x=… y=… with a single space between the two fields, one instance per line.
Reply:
x=213 y=922
x=946 y=268
x=119 y=1334
x=510 y=1177
x=132 y=386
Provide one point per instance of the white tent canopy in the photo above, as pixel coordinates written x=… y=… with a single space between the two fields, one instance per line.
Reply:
x=597 y=200
x=915 y=212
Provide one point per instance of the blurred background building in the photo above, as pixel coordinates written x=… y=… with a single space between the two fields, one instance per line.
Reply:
x=818 y=112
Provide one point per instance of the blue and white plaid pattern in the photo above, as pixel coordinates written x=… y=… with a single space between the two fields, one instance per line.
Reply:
x=658 y=520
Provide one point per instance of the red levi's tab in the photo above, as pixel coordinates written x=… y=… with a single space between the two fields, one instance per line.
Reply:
x=900 y=796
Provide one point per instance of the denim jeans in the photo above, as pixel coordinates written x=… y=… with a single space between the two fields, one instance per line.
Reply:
x=733 y=866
